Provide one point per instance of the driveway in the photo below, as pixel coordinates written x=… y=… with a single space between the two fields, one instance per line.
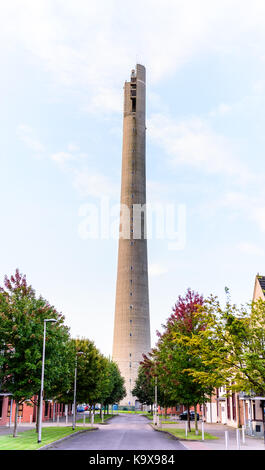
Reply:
x=123 y=432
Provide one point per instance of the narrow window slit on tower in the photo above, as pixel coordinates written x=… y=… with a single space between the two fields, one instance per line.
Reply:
x=133 y=105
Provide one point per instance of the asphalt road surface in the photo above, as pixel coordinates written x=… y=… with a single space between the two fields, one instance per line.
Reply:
x=124 y=432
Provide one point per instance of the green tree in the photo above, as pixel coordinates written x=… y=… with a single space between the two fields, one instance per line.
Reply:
x=98 y=378
x=144 y=387
x=175 y=359
x=232 y=346
x=116 y=390
x=21 y=339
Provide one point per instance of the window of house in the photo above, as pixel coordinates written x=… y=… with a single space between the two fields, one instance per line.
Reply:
x=1 y=406
x=20 y=410
x=234 y=406
x=46 y=408
x=9 y=407
x=228 y=408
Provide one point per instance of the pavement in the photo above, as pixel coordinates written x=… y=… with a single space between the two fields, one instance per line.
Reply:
x=123 y=432
x=218 y=430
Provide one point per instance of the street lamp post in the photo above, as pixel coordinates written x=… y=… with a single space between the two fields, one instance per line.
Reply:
x=42 y=376
x=74 y=416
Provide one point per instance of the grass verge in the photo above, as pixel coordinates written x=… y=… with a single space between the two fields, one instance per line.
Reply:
x=181 y=434
x=132 y=412
x=164 y=421
x=97 y=419
x=27 y=440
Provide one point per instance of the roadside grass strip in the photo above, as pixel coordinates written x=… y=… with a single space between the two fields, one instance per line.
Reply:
x=164 y=421
x=131 y=412
x=181 y=434
x=27 y=440
x=97 y=419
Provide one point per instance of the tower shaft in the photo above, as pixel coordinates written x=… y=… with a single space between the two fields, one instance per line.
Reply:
x=132 y=323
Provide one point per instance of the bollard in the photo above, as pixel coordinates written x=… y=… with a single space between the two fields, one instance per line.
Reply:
x=66 y=419
x=243 y=435
x=92 y=420
x=186 y=429
x=58 y=418
x=202 y=431
x=102 y=417
x=238 y=439
x=30 y=419
x=84 y=419
x=19 y=420
x=226 y=439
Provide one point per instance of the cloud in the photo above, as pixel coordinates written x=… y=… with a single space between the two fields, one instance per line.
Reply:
x=156 y=270
x=86 y=181
x=26 y=135
x=90 y=46
x=249 y=204
x=250 y=249
x=193 y=142
x=62 y=157
x=221 y=110
x=90 y=182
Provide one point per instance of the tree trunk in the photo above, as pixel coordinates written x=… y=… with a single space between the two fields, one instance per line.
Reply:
x=15 y=422
x=188 y=417
x=90 y=409
x=195 y=420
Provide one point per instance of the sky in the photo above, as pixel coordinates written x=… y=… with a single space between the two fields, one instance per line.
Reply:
x=63 y=67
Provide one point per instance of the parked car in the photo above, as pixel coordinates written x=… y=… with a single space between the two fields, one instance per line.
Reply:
x=184 y=416
x=86 y=407
x=80 y=408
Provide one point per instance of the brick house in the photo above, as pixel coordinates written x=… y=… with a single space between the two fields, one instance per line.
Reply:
x=240 y=409
x=27 y=412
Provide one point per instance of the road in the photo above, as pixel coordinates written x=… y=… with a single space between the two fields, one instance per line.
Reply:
x=123 y=432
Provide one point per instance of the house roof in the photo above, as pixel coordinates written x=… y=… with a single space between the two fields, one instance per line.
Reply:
x=261 y=280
